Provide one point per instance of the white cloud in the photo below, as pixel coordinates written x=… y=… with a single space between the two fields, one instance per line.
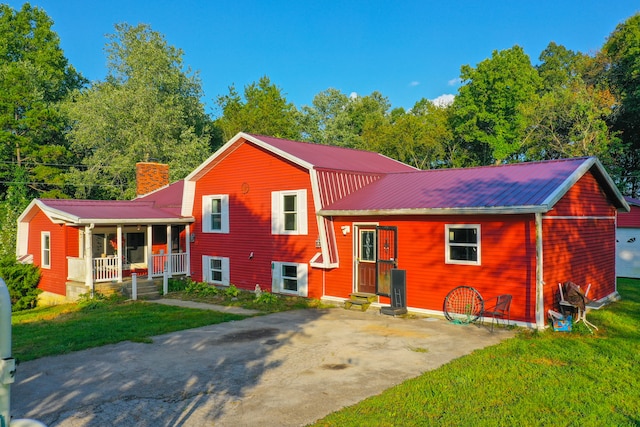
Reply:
x=353 y=95
x=454 y=82
x=414 y=83
x=443 y=100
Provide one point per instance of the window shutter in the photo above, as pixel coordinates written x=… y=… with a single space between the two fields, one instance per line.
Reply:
x=302 y=212
x=276 y=276
x=303 y=279
x=206 y=272
x=276 y=213
x=224 y=209
x=206 y=213
x=225 y=271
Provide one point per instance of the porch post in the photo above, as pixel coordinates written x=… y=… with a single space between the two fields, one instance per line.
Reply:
x=169 y=249
x=149 y=252
x=88 y=257
x=119 y=251
x=187 y=247
x=539 y=274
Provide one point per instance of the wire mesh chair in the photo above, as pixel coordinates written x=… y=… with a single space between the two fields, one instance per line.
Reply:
x=463 y=304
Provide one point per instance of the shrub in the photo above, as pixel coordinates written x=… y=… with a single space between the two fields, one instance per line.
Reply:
x=200 y=289
x=232 y=291
x=178 y=285
x=266 y=298
x=22 y=281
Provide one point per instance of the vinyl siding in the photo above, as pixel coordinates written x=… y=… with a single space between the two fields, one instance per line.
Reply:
x=249 y=175
x=52 y=279
x=508 y=260
x=585 y=198
x=629 y=219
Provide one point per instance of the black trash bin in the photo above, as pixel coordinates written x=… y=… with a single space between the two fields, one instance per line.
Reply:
x=398 y=293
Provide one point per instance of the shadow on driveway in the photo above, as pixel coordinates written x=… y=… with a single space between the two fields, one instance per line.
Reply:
x=283 y=369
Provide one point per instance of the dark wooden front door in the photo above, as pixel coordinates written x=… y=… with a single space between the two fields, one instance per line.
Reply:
x=366 y=259
x=376 y=255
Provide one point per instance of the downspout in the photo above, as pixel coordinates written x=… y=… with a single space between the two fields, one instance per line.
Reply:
x=539 y=274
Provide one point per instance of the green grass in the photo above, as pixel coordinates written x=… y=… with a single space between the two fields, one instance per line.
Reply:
x=535 y=379
x=65 y=328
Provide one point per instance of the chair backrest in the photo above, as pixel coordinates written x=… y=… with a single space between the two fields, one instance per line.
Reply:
x=503 y=303
x=561 y=292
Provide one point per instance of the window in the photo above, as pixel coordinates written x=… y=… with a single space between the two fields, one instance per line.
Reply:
x=462 y=244
x=215 y=270
x=45 y=249
x=289 y=212
x=215 y=213
x=289 y=278
x=135 y=249
x=368 y=245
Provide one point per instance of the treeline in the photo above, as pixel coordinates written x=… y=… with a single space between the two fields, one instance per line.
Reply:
x=62 y=136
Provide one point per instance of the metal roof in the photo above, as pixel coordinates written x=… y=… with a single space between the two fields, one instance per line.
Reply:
x=337 y=158
x=513 y=188
x=160 y=206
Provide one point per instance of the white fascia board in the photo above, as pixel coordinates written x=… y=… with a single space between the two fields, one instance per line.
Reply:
x=135 y=221
x=277 y=151
x=188 y=198
x=193 y=175
x=438 y=211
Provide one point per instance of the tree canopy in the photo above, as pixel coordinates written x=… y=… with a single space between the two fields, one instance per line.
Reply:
x=147 y=108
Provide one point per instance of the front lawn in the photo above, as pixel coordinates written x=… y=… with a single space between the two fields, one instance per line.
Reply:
x=536 y=378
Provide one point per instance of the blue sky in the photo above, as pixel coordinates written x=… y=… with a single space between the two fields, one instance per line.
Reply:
x=407 y=50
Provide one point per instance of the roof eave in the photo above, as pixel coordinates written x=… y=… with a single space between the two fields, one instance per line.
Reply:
x=514 y=210
x=133 y=221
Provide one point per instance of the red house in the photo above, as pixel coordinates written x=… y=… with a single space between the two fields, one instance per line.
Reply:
x=324 y=222
x=92 y=245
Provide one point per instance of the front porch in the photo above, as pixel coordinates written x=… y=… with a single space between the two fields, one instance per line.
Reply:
x=109 y=256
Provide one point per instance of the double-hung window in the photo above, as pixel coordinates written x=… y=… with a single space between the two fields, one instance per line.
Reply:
x=289 y=212
x=290 y=278
x=215 y=213
x=45 y=249
x=462 y=244
x=215 y=270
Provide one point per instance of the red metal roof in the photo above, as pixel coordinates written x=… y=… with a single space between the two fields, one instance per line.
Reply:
x=338 y=158
x=520 y=187
x=164 y=204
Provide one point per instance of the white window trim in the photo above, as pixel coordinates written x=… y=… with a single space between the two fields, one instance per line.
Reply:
x=224 y=213
x=302 y=278
x=447 y=249
x=277 y=212
x=206 y=271
x=45 y=236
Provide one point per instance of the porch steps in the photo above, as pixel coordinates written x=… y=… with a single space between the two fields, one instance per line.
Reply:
x=361 y=299
x=147 y=289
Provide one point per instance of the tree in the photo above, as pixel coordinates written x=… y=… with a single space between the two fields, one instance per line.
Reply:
x=148 y=108
x=337 y=119
x=622 y=51
x=15 y=201
x=264 y=110
x=34 y=77
x=487 y=113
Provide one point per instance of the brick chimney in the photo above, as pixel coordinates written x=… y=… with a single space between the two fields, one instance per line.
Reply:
x=151 y=176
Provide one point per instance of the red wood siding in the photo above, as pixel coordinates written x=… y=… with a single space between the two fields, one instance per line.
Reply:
x=579 y=250
x=585 y=198
x=52 y=279
x=507 y=255
x=579 y=243
x=248 y=175
x=629 y=219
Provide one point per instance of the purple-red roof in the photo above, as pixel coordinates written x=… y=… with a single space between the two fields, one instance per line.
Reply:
x=521 y=187
x=161 y=205
x=337 y=158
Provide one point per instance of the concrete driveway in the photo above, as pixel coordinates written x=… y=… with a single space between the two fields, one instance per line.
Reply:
x=284 y=369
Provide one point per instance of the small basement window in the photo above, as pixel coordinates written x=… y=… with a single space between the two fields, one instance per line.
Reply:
x=462 y=244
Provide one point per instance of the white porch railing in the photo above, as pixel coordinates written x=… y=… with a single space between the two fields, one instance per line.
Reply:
x=177 y=264
x=105 y=269
x=76 y=269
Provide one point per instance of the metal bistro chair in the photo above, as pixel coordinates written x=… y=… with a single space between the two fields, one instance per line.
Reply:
x=500 y=310
x=579 y=308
